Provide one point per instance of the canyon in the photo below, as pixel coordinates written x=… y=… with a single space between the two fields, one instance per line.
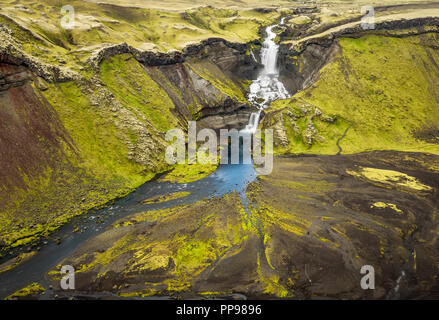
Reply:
x=355 y=180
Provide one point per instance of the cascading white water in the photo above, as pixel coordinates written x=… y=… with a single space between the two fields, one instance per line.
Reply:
x=253 y=122
x=267 y=87
x=253 y=56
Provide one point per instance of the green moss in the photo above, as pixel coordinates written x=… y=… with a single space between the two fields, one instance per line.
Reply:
x=31 y=290
x=134 y=88
x=390 y=177
x=185 y=173
x=218 y=79
x=383 y=205
x=387 y=95
x=104 y=258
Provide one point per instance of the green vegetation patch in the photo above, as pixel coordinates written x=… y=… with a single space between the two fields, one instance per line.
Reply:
x=32 y=290
x=388 y=95
x=161 y=28
x=135 y=89
x=185 y=173
x=372 y=96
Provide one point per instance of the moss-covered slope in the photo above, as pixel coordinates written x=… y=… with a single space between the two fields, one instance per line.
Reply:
x=377 y=93
x=73 y=144
x=64 y=154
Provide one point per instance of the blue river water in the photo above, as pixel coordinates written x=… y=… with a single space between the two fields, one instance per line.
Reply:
x=226 y=179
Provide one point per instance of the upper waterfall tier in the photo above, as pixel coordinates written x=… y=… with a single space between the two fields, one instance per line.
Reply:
x=267 y=87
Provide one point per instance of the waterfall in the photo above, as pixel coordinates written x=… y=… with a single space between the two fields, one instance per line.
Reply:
x=253 y=56
x=267 y=87
x=252 y=122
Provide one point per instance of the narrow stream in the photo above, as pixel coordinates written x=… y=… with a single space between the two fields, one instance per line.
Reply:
x=227 y=178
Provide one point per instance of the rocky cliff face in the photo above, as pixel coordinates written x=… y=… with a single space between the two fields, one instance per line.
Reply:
x=205 y=81
x=301 y=61
x=350 y=96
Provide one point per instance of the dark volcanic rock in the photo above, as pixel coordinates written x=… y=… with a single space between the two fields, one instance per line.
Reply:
x=315 y=52
x=318 y=222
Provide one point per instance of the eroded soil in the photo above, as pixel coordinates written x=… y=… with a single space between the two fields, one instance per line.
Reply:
x=304 y=231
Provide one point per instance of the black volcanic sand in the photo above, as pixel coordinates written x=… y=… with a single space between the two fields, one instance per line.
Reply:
x=304 y=231
x=344 y=230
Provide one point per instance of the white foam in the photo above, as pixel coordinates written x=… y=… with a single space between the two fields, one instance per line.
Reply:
x=267 y=87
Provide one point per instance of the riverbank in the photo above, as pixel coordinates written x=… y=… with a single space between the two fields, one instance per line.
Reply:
x=62 y=243
x=312 y=224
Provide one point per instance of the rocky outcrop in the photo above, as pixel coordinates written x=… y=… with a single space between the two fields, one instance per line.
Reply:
x=211 y=48
x=236 y=120
x=11 y=53
x=149 y=58
x=300 y=61
x=413 y=26
x=298 y=71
